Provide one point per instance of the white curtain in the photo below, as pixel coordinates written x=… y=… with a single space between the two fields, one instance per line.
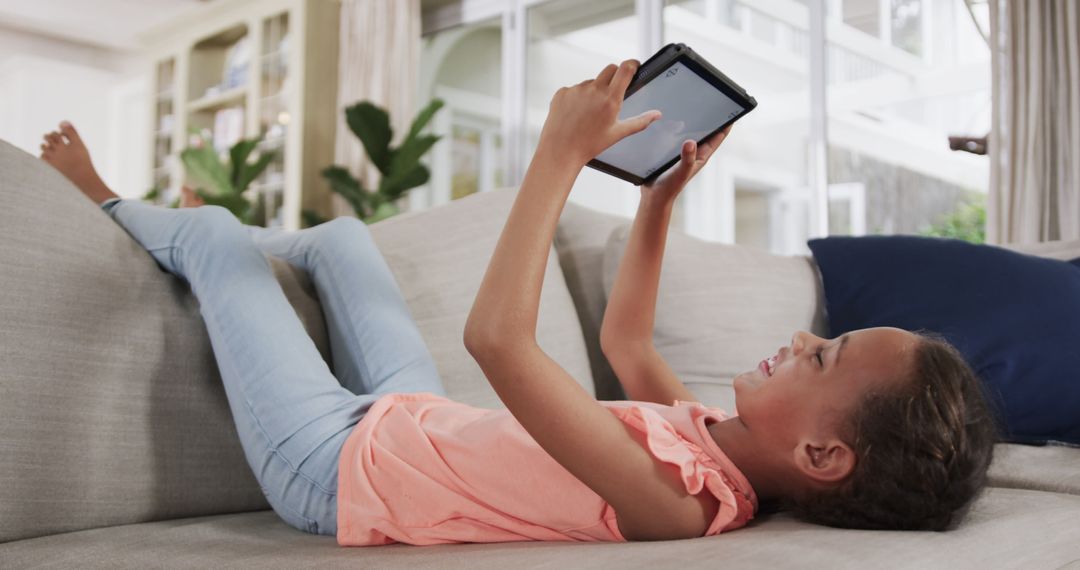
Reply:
x=379 y=61
x=1035 y=140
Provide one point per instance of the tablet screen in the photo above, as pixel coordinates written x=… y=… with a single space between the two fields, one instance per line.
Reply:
x=692 y=108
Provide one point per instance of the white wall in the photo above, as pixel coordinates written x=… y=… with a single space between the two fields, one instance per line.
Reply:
x=102 y=92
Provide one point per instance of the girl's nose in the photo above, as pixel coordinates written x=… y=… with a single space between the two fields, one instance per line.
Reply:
x=797 y=341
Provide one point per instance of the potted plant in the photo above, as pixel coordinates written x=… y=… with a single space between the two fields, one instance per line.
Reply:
x=399 y=166
x=223 y=183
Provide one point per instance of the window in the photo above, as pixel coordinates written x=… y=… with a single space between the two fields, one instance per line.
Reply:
x=755 y=191
x=891 y=114
x=462 y=66
x=902 y=76
x=570 y=41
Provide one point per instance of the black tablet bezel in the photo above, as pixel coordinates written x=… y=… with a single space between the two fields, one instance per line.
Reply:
x=651 y=69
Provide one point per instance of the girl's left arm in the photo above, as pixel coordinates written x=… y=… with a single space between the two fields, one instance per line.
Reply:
x=648 y=496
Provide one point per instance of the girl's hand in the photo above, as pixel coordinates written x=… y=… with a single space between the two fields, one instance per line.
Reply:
x=669 y=184
x=583 y=120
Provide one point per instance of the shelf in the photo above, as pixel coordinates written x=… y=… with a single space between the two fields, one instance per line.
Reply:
x=279 y=94
x=214 y=102
x=243 y=70
x=224 y=39
x=272 y=143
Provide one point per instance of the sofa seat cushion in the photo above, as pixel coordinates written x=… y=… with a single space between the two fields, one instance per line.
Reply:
x=1007 y=528
x=722 y=308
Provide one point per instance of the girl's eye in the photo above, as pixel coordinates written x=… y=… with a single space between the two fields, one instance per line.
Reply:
x=818 y=355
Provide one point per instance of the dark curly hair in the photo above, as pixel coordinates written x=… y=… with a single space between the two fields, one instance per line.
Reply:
x=922 y=450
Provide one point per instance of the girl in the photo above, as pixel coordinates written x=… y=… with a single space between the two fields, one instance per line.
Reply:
x=879 y=428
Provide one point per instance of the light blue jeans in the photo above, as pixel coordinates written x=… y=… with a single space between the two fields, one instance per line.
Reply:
x=292 y=414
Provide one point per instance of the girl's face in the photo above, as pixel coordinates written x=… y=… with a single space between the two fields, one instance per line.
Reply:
x=814 y=383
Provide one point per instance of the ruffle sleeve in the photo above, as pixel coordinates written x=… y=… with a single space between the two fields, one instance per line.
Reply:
x=696 y=468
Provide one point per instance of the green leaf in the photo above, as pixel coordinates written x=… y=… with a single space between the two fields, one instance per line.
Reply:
x=348 y=187
x=372 y=125
x=203 y=165
x=424 y=117
x=395 y=187
x=247 y=173
x=238 y=156
x=311 y=218
x=341 y=181
x=967 y=222
x=385 y=210
x=232 y=202
x=407 y=156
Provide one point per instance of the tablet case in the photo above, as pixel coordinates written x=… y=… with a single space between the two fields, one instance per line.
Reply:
x=652 y=68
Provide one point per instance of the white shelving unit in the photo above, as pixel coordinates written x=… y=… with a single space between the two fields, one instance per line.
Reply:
x=250 y=69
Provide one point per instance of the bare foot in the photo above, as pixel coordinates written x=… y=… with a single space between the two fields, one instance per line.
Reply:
x=189 y=199
x=65 y=151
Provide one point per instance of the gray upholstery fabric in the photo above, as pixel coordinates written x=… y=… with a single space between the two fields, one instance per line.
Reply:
x=1007 y=528
x=111 y=407
x=580 y=239
x=721 y=309
x=439 y=257
x=1054 y=468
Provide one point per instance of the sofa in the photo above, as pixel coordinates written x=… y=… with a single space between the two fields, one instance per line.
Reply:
x=117 y=448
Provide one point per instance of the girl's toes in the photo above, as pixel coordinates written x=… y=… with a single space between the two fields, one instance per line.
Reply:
x=54 y=138
x=189 y=199
x=69 y=131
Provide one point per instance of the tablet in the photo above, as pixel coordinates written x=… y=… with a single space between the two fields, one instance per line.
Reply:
x=696 y=101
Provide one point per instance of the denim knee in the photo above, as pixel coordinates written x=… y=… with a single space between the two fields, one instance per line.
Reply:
x=211 y=219
x=344 y=233
x=211 y=225
x=343 y=229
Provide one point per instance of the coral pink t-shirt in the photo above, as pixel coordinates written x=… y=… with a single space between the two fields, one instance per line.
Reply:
x=422 y=469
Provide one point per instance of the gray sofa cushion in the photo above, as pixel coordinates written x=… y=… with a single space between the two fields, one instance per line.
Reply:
x=1007 y=528
x=439 y=257
x=723 y=308
x=1054 y=468
x=111 y=407
x=580 y=239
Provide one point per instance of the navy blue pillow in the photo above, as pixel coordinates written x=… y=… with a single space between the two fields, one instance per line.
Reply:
x=1015 y=317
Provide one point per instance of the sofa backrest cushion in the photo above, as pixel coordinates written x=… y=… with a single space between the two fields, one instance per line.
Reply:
x=111 y=407
x=1015 y=317
x=439 y=257
x=723 y=308
x=580 y=239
